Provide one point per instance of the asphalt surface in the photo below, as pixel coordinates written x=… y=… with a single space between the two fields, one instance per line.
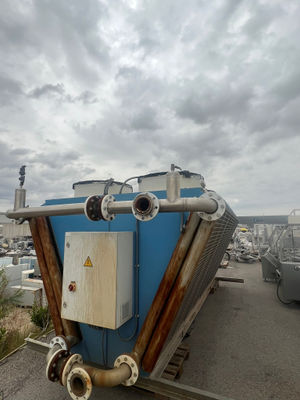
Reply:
x=244 y=345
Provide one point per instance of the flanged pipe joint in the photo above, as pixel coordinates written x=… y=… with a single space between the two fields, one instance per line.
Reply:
x=220 y=209
x=145 y=206
x=96 y=208
x=79 y=378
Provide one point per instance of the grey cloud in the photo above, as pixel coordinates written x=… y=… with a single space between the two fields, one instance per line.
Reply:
x=10 y=89
x=288 y=88
x=65 y=34
x=49 y=174
x=22 y=151
x=10 y=158
x=58 y=91
x=47 y=89
x=54 y=160
x=119 y=90
x=87 y=97
x=215 y=102
x=145 y=119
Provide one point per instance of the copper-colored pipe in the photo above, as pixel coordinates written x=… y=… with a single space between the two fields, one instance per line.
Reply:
x=55 y=315
x=50 y=259
x=70 y=327
x=176 y=297
x=165 y=286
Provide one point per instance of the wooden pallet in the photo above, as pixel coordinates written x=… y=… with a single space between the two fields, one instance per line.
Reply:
x=175 y=367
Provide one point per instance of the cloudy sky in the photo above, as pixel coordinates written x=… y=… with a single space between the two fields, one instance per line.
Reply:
x=98 y=89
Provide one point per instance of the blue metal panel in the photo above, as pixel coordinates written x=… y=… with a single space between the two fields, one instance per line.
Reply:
x=157 y=240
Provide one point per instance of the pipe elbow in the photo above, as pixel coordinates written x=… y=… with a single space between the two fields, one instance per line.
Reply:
x=80 y=378
x=111 y=377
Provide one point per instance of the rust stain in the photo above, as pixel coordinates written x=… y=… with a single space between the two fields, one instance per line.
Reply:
x=177 y=295
x=165 y=286
x=45 y=277
x=52 y=265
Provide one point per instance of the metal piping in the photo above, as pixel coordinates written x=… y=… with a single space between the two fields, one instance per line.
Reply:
x=165 y=287
x=51 y=275
x=56 y=319
x=70 y=327
x=177 y=294
x=47 y=211
x=127 y=180
x=173 y=185
x=109 y=377
x=192 y=204
x=20 y=198
x=80 y=378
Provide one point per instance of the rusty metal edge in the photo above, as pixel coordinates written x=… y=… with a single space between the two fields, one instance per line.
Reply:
x=168 y=351
x=165 y=286
x=177 y=295
x=55 y=315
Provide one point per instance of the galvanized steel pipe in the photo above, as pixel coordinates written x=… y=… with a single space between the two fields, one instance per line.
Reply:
x=47 y=211
x=20 y=198
x=192 y=204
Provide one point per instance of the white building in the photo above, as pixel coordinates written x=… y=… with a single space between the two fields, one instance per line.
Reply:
x=9 y=229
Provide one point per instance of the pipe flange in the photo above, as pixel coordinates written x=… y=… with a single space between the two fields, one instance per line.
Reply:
x=126 y=359
x=92 y=208
x=79 y=384
x=61 y=341
x=74 y=359
x=51 y=370
x=145 y=206
x=106 y=215
x=64 y=362
x=220 y=210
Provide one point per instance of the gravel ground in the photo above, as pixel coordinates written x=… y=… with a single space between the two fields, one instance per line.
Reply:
x=244 y=346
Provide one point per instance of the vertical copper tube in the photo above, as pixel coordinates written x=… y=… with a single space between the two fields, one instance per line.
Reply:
x=55 y=315
x=176 y=297
x=165 y=286
x=70 y=327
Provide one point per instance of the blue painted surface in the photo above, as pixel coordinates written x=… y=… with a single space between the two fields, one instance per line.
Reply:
x=157 y=240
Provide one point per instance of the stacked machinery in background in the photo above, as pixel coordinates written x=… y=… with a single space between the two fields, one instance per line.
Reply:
x=281 y=262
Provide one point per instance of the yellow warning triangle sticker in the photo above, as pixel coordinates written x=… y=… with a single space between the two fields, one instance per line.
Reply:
x=88 y=263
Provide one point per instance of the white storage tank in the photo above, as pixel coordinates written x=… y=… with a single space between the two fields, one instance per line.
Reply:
x=158 y=181
x=98 y=187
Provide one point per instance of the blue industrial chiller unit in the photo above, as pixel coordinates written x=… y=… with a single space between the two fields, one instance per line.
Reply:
x=124 y=273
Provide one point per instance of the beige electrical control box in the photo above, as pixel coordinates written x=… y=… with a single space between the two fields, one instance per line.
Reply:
x=97 y=278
